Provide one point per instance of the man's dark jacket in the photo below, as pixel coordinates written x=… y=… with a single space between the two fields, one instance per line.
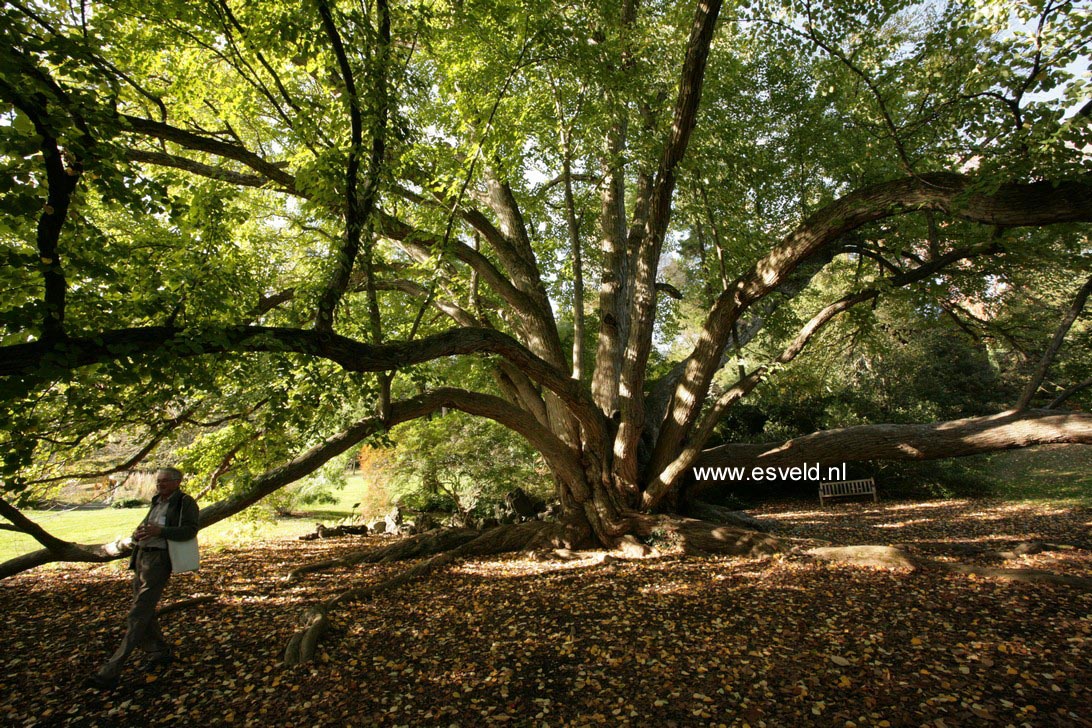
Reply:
x=177 y=503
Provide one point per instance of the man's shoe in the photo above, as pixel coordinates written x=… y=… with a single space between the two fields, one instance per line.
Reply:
x=159 y=663
x=98 y=682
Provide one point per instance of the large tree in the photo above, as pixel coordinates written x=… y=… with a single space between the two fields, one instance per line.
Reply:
x=283 y=228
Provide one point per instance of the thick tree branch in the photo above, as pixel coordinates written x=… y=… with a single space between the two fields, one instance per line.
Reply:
x=510 y=260
x=513 y=381
x=79 y=553
x=572 y=224
x=267 y=303
x=660 y=393
x=613 y=326
x=358 y=205
x=559 y=456
x=520 y=283
x=514 y=245
x=532 y=318
x=42 y=356
x=955 y=438
x=201 y=143
x=668 y=467
x=32 y=529
x=421 y=245
x=670 y=290
x=616 y=282
x=62 y=184
x=672 y=456
x=518 y=258
x=456 y=313
x=643 y=302
x=523 y=390
x=61 y=181
x=199 y=168
x=1012 y=205
x=1056 y=343
x=575 y=177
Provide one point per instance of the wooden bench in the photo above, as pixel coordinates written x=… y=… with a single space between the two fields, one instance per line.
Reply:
x=845 y=488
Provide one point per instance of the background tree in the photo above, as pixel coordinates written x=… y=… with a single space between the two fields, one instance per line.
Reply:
x=459 y=465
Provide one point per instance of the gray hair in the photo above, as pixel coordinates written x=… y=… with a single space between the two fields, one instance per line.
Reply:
x=174 y=473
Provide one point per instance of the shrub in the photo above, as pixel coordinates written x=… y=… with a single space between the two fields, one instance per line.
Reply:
x=931 y=479
x=129 y=503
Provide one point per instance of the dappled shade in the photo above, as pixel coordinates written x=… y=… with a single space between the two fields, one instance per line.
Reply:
x=678 y=638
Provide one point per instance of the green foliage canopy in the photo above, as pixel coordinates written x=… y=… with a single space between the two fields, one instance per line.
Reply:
x=376 y=171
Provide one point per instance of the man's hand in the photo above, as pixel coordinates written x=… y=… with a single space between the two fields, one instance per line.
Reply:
x=147 y=530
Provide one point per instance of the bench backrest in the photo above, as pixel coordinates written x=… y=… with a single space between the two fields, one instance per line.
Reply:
x=837 y=489
x=848 y=487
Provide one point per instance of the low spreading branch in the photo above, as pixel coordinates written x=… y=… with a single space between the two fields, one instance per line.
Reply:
x=75 y=352
x=556 y=453
x=25 y=525
x=185 y=604
x=954 y=438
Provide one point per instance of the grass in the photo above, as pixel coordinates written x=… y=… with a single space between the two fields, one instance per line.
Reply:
x=107 y=524
x=1053 y=473
x=72 y=525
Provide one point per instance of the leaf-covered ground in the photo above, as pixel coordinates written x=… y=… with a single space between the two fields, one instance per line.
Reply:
x=672 y=641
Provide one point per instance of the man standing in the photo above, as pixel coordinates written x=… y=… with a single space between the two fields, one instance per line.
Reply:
x=173 y=517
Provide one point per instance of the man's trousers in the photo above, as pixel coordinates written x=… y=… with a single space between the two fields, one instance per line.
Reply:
x=151 y=571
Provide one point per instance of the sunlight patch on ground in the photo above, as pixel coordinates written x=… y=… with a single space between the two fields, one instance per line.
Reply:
x=521 y=565
x=904 y=524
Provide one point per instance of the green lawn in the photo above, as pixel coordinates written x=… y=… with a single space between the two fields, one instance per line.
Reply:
x=106 y=524
x=1054 y=473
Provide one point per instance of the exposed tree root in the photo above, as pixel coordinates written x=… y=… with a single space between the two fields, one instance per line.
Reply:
x=413 y=547
x=1031 y=576
x=879 y=557
x=185 y=604
x=445 y=546
x=893 y=557
x=301 y=648
x=1024 y=548
x=704 y=538
x=726 y=516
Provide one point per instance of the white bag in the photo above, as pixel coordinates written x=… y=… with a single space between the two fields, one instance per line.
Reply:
x=185 y=555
